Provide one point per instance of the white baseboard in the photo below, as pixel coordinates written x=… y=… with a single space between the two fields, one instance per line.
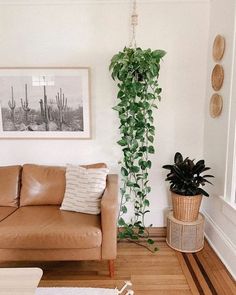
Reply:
x=221 y=244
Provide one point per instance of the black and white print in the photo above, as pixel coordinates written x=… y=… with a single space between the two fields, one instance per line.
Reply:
x=47 y=103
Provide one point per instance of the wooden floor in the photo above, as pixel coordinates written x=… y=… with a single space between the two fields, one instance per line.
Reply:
x=166 y=272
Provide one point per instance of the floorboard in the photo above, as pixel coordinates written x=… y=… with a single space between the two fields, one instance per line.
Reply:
x=166 y=272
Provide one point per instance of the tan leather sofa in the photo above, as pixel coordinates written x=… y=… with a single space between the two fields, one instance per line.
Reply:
x=33 y=228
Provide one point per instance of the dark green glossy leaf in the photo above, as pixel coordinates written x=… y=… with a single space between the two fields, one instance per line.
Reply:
x=135 y=169
x=150 y=241
x=122 y=142
x=185 y=176
x=178 y=158
x=124 y=171
x=130 y=183
x=151 y=138
x=151 y=150
x=121 y=221
x=124 y=209
x=146 y=202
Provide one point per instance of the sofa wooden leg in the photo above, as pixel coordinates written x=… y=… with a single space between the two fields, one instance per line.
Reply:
x=111 y=265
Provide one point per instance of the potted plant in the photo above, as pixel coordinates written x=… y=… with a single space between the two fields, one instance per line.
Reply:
x=186 y=181
x=137 y=72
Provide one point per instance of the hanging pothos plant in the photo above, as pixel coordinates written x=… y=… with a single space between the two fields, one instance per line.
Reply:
x=137 y=72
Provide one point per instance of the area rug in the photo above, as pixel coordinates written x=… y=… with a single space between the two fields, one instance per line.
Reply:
x=85 y=291
x=75 y=291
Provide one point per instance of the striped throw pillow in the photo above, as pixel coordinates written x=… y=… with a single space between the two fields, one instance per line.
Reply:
x=84 y=189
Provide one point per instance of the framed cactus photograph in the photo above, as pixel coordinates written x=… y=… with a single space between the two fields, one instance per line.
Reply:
x=45 y=102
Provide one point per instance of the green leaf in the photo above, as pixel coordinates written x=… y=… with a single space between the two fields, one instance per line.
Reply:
x=150 y=241
x=149 y=164
x=121 y=235
x=151 y=150
x=117 y=108
x=121 y=221
x=135 y=145
x=149 y=112
x=146 y=203
x=178 y=158
x=130 y=183
x=158 y=91
x=124 y=209
x=208 y=176
x=135 y=169
x=152 y=131
x=154 y=106
x=143 y=149
x=148 y=189
x=124 y=172
x=151 y=119
x=120 y=94
x=122 y=142
x=203 y=192
x=159 y=53
x=141 y=231
x=169 y=167
x=151 y=138
x=127 y=197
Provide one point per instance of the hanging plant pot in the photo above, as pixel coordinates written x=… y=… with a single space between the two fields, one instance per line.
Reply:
x=186 y=208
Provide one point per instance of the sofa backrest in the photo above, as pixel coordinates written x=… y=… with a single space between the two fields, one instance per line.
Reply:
x=42 y=185
x=9 y=185
x=45 y=185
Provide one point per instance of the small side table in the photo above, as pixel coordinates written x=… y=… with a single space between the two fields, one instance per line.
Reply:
x=185 y=236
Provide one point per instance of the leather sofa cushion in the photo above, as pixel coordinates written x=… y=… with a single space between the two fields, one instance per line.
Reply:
x=45 y=185
x=42 y=185
x=9 y=185
x=6 y=211
x=46 y=227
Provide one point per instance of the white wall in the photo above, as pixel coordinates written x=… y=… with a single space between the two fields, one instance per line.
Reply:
x=88 y=34
x=220 y=218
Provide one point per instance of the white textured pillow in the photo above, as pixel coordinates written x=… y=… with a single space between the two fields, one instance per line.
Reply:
x=84 y=189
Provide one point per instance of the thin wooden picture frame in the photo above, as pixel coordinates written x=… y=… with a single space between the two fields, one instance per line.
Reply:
x=45 y=103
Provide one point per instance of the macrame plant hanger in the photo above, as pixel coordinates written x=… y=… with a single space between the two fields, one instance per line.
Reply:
x=134 y=23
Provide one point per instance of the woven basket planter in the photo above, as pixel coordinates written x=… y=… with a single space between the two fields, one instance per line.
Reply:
x=183 y=236
x=186 y=208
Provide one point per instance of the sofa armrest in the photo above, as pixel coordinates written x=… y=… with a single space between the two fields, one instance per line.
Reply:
x=109 y=214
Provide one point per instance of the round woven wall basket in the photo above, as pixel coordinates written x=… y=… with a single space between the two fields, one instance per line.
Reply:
x=217 y=77
x=186 y=208
x=216 y=105
x=218 y=48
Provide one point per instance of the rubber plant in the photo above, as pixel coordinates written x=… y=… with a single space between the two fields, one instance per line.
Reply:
x=137 y=72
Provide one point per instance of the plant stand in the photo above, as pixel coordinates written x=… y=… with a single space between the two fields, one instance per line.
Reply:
x=185 y=236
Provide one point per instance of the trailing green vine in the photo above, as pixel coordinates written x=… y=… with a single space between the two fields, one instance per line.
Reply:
x=137 y=72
